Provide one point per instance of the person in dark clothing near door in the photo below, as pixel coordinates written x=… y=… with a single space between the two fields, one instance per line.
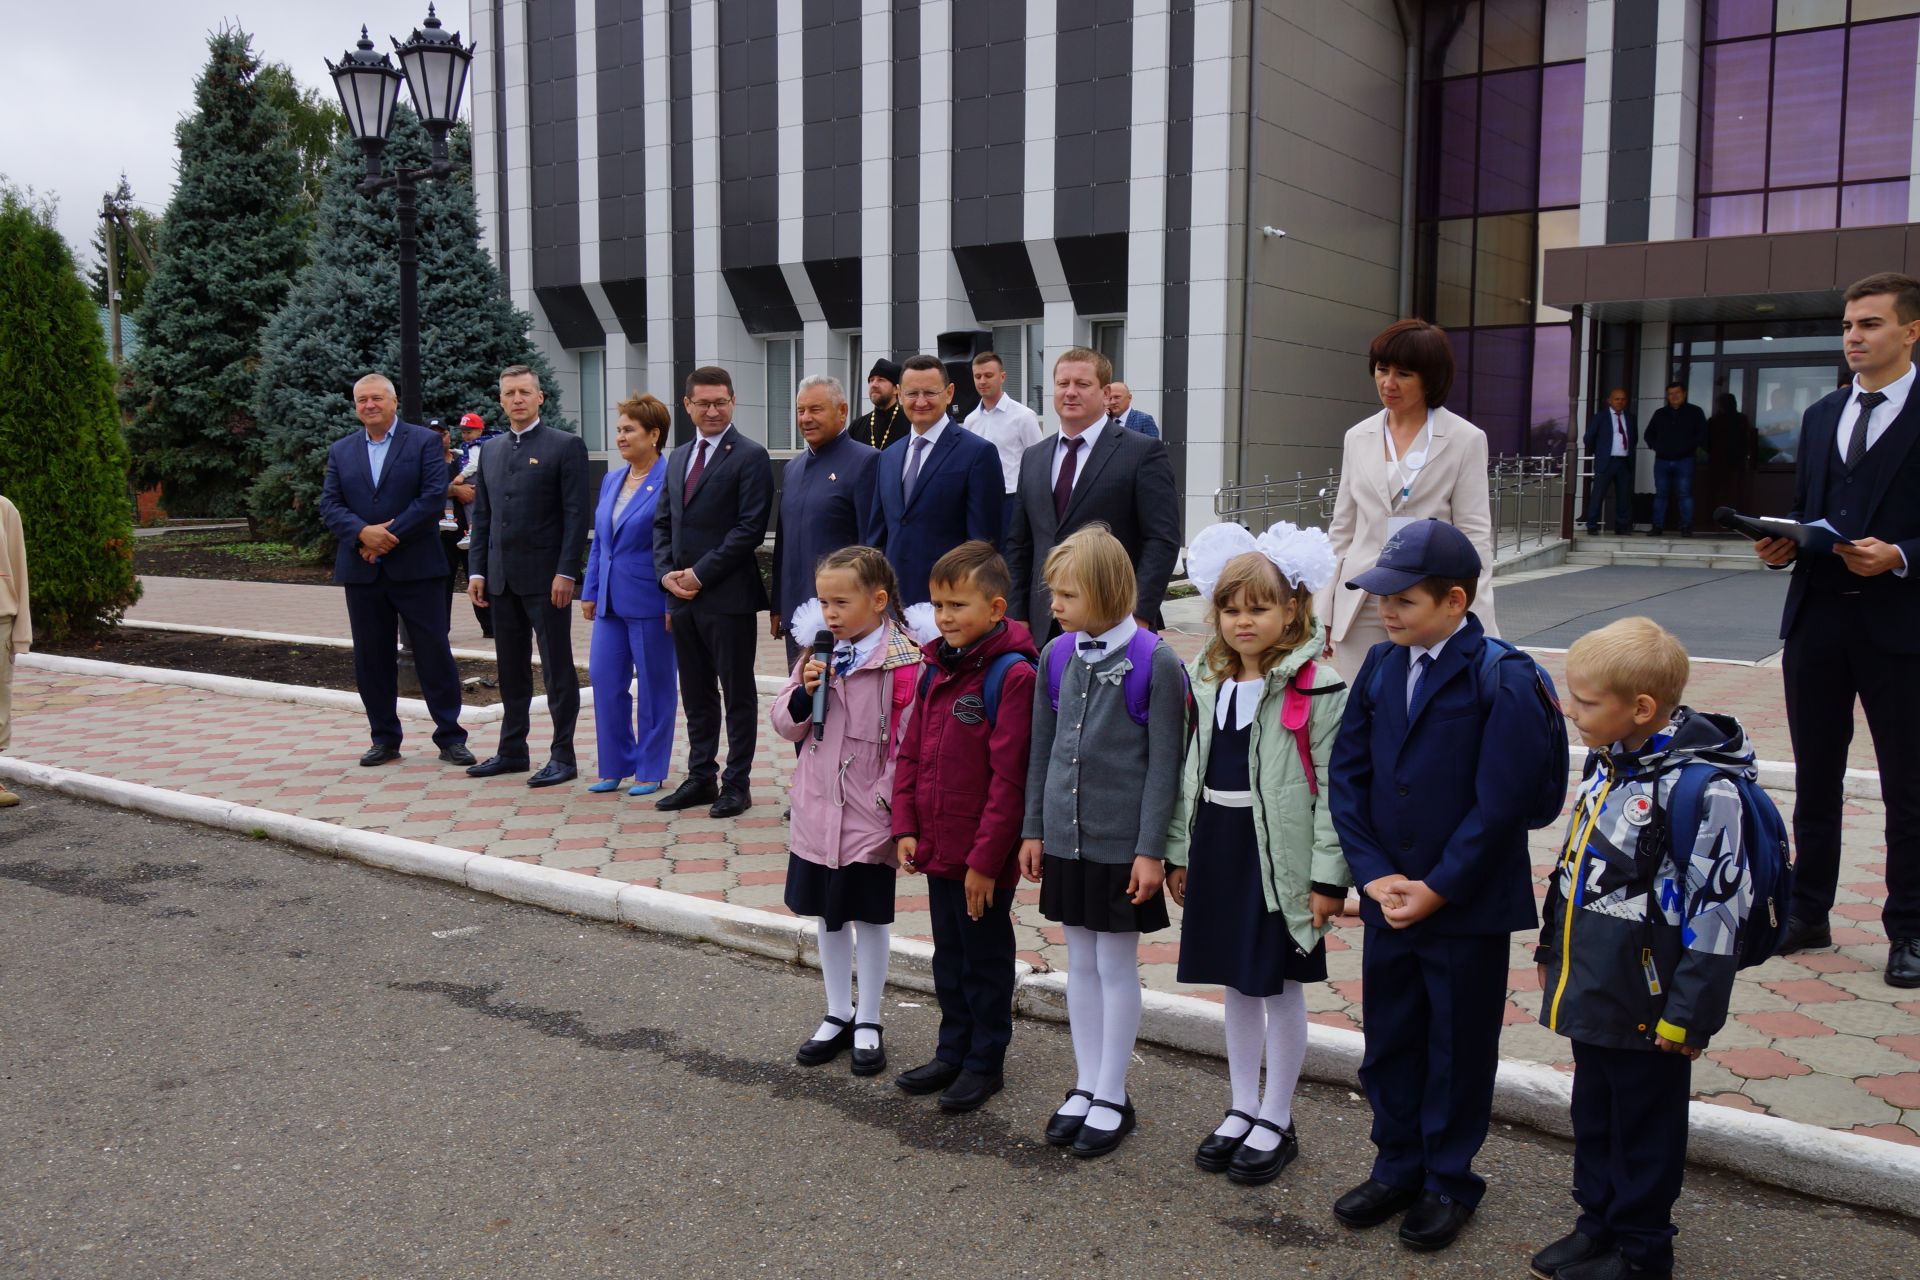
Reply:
x=1676 y=432
x=1730 y=453
x=1611 y=436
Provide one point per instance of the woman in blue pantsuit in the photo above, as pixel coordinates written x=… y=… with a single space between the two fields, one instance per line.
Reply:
x=622 y=598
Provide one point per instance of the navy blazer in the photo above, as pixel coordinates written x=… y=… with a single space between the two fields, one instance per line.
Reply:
x=826 y=503
x=620 y=578
x=1887 y=510
x=1600 y=428
x=958 y=498
x=412 y=493
x=1429 y=791
x=1137 y=420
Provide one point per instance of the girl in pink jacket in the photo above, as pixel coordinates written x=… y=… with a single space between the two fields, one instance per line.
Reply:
x=842 y=866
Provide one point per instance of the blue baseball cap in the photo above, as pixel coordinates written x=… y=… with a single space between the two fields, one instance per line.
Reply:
x=1423 y=549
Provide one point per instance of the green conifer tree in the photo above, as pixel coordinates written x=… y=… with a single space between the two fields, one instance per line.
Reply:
x=62 y=460
x=229 y=243
x=342 y=320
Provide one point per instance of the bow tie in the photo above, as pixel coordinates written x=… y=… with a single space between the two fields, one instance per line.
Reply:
x=843 y=655
x=1092 y=644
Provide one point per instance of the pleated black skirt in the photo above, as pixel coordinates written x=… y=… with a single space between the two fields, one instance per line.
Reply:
x=1228 y=937
x=1093 y=895
x=860 y=891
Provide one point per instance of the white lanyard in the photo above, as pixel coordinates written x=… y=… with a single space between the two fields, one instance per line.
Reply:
x=1406 y=473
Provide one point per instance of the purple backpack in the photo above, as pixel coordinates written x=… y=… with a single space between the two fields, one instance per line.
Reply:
x=1137 y=684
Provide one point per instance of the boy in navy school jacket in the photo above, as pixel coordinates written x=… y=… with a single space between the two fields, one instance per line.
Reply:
x=1432 y=818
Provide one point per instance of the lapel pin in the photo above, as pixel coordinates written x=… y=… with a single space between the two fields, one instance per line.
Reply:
x=533 y=462
x=833 y=476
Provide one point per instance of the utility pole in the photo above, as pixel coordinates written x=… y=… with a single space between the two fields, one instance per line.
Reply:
x=110 y=216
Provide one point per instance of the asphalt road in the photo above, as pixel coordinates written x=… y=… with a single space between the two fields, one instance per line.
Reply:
x=227 y=1058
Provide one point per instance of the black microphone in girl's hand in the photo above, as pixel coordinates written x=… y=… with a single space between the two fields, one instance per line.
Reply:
x=822 y=652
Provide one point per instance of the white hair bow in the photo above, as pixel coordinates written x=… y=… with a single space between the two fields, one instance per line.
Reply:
x=1304 y=556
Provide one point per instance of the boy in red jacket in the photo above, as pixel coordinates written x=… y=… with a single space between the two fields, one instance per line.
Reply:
x=959 y=798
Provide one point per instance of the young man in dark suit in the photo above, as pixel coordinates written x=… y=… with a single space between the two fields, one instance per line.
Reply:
x=1852 y=618
x=382 y=495
x=1610 y=440
x=527 y=549
x=1092 y=472
x=710 y=522
x=939 y=485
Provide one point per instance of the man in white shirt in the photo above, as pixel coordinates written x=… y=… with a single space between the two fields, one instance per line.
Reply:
x=1611 y=437
x=1002 y=422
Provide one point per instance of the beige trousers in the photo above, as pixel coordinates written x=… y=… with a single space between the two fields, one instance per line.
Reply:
x=6 y=683
x=1365 y=631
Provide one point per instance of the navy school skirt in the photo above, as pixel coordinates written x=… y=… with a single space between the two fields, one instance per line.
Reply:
x=860 y=891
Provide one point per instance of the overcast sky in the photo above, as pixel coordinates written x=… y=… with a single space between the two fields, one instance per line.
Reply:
x=105 y=83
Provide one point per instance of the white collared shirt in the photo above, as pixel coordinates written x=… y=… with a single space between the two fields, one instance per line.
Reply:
x=1896 y=393
x=713 y=441
x=1620 y=449
x=1415 y=651
x=1090 y=437
x=1011 y=428
x=1116 y=640
x=931 y=436
x=1245 y=699
x=517 y=432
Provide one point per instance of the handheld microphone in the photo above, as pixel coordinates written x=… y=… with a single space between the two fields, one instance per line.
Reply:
x=822 y=652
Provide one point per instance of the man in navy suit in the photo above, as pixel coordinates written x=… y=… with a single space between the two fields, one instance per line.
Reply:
x=1120 y=409
x=1852 y=617
x=826 y=500
x=1611 y=437
x=384 y=489
x=938 y=487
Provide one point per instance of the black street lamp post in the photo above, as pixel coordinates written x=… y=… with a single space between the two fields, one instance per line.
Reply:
x=435 y=71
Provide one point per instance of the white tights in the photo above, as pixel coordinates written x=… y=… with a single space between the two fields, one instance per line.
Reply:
x=1103 y=1015
x=1277 y=1026
x=837 y=955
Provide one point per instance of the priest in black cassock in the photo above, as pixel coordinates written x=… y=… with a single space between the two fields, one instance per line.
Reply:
x=826 y=499
x=885 y=422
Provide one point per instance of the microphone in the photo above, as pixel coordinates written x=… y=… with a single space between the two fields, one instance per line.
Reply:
x=822 y=652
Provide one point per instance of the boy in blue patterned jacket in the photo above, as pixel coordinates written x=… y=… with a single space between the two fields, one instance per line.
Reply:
x=1639 y=941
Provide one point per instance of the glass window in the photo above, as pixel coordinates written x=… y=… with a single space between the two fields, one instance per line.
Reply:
x=1452 y=37
x=1866 y=10
x=1733 y=117
x=1503 y=271
x=1562 y=112
x=1730 y=216
x=1501 y=381
x=1879 y=133
x=1110 y=340
x=1453 y=274
x=1874 y=204
x=1510 y=34
x=1509 y=145
x=1552 y=364
x=1726 y=19
x=1807 y=74
x=1793 y=15
x=856 y=378
x=1566 y=35
x=1806 y=210
x=1457 y=110
x=1781 y=396
x=1559 y=229
x=593 y=399
x=784 y=361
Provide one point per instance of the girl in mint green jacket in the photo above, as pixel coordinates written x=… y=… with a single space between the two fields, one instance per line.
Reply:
x=1252 y=852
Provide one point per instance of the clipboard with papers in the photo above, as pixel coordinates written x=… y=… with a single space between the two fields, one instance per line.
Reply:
x=1816 y=535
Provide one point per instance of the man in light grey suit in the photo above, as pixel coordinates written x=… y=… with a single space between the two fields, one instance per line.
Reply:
x=1120 y=409
x=1091 y=472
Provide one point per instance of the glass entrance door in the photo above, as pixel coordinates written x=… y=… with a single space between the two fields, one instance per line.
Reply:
x=1773 y=394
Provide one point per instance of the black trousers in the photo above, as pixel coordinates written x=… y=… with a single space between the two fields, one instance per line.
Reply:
x=374 y=611
x=972 y=976
x=518 y=623
x=1630 y=1148
x=715 y=652
x=1615 y=474
x=1831 y=658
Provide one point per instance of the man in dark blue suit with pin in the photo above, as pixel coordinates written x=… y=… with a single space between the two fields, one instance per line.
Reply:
x=382 y=496
x=826 y=500
x=939 y=487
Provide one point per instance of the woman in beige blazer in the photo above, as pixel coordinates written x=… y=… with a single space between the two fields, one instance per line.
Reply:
x=1412 y=460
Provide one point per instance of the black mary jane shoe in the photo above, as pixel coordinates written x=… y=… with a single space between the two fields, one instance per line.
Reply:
x=870 y=1062
x=1062 y=1130
x=1093 y=1143
x=1569 y=1250
x=816 y=1052
x=1372 y=1203
x=1252 y=1168
x=1434 y=1221
x=1216 y=1152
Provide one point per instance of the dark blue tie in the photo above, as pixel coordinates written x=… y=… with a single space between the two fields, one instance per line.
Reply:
x=1419 y=678
x=843 y=659
x=1095 y=645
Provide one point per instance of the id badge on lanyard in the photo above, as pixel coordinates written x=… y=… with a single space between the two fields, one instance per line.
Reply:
x=1405 y=471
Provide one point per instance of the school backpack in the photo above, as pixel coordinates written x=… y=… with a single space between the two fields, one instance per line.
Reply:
x=1296 y=714
x=1540 y=758
x=1137 y=683
x=996 y=681
x=1763 y=841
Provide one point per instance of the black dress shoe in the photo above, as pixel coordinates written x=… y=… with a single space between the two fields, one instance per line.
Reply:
x=1216 y=1152
x=870 y=1062
x=456 y=753
x=1610 y=1265
x=970 y=1092
x=688 y=794
x=1372 y=1203
x=379 y=753
x=1092 y=1143
x=815 y=1052
x=1903 y=963
x=1062 y=1130
x=552 y=774
x=731 y=804
x=1252 y=1168
x=1434 y=1221
x=928 y=1077
x=1565 y=1252
x=493 y=766
x=1804 y=935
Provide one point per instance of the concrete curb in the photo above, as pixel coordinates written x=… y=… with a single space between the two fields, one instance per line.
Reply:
x=1800 y=1157
x=279 y=637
